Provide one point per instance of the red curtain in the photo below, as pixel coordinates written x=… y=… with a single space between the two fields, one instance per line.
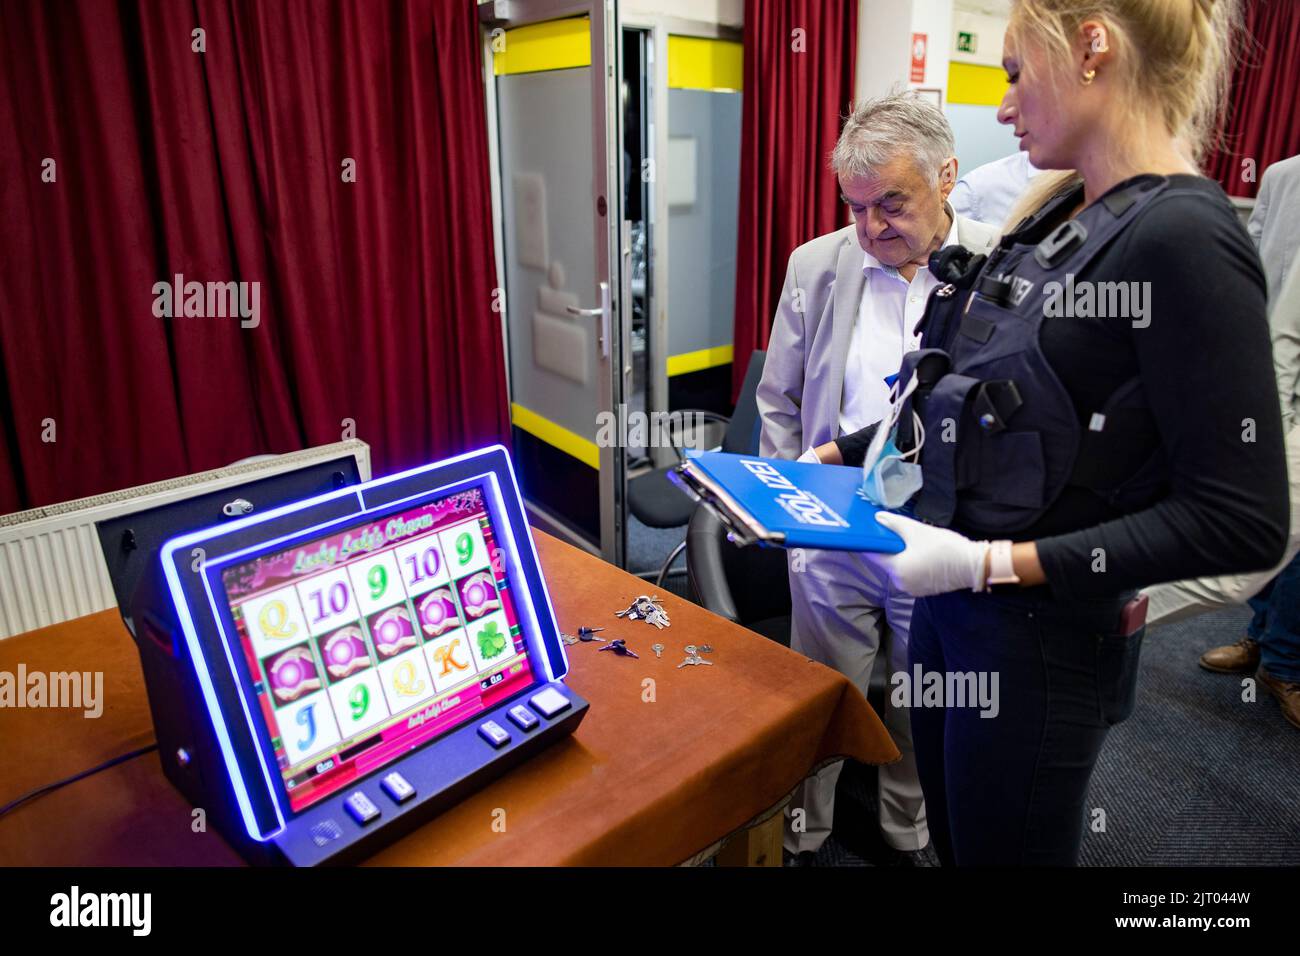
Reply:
x=1263 y=122
x=229 y=165
x=798 y=86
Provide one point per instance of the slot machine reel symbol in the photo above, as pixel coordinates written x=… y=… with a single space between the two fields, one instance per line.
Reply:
x=406 y=682
x=345 y=652
x=445 y=657
x=479 y=595
x=292 y=674
x=393 y=632
x=274 y=621
x=438 y=613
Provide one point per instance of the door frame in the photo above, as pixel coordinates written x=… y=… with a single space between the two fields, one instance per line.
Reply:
x=613 y=379
x=659 y=27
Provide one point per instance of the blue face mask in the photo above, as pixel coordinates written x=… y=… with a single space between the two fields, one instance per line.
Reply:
x=890 y=480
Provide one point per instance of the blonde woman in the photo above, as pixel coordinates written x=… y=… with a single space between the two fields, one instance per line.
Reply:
x=1099 y=414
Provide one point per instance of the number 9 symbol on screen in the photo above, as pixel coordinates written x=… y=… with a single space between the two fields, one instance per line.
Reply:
x=377 y=578
x=465 y=547
x=359 y=701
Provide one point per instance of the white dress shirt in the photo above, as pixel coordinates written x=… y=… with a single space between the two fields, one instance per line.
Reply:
x=883 y=333
x=987 y=193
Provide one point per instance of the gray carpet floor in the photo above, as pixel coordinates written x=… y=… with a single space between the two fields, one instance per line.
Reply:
x=1196 y=777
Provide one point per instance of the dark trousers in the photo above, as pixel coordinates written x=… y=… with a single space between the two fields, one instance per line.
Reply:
x=1276 y=625
x=1009 y=789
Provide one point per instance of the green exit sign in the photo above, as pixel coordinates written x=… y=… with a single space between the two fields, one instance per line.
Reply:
x=966 y=42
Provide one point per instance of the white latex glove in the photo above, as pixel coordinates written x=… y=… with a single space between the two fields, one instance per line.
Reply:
x=934 y=561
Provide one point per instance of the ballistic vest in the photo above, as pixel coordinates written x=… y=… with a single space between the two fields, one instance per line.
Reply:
x=1003 y=438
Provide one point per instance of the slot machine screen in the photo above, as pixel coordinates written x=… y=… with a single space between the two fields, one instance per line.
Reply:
x=367 y=642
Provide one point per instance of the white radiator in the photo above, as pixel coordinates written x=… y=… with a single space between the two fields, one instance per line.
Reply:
x=51 y=565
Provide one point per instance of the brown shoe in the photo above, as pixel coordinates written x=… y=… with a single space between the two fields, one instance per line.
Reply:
x=1286 y=692
x=1239 y=658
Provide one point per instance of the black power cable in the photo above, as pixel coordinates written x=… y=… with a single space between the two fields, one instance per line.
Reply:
x=51 y=787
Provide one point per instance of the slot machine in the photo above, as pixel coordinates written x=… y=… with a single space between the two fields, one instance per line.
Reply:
x=329 y=674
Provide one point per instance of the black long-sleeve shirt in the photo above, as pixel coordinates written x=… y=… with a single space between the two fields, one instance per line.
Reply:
x=1206 y=366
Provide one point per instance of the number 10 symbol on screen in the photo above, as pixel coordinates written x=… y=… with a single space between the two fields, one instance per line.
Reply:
x=424 y=566
x=338 y=601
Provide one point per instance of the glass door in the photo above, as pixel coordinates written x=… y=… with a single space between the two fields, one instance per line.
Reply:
x=553 y=101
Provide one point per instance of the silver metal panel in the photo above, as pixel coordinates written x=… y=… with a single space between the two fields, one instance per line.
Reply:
x=702 y=235
x=546 y=156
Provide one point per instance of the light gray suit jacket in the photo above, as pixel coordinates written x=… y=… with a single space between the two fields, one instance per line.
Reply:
x=1275 y=223
x=803 y=377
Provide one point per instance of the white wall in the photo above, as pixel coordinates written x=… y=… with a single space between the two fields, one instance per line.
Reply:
x=885 y=29
x=728 y=13
x=884 y=57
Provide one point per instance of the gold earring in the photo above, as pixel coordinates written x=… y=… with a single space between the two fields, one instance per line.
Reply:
x=1089 y=76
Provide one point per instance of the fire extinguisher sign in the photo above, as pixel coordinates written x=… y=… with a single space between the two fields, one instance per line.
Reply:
x=918 y=57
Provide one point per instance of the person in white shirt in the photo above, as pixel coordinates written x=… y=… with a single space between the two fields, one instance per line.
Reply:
x=988 y=193
x=847 y=316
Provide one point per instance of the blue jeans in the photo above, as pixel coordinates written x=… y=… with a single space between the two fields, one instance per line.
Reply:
x=1276 y=625
x=1009 y=789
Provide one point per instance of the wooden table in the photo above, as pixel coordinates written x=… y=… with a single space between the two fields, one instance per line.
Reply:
x=667 y=767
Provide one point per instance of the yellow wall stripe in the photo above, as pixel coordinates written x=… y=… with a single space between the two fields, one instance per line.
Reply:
x=560 y=437
x=699 y=63
x=698 y=361
x=553 y=45
x=976 y=85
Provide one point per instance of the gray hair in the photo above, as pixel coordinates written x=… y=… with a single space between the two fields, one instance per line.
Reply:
x=902 y=123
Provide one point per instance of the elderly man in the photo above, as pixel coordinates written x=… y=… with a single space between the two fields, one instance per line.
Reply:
x=847 y=316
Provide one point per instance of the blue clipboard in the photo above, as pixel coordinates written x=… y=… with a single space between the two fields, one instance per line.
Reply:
x=788 y=504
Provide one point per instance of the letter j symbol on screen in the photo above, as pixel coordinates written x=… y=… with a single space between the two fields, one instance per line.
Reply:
x=307 y=718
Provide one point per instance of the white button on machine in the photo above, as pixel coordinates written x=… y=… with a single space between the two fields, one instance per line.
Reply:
x=522 y=717
x=493 y=733
x=549 y=702
x=397 y=787
x=361 y=808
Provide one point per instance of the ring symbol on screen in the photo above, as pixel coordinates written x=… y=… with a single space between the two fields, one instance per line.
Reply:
x=292 y=674
x=345 y=652
x=445 y=656
x=438 y=613
x=479 y=594
x=393 y=632
x=405 y=681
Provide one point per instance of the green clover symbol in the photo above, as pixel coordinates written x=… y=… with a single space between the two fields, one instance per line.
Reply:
x=491 y=642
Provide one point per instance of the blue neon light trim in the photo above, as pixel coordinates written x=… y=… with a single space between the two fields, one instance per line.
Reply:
x=210 y=694
x=179 y=599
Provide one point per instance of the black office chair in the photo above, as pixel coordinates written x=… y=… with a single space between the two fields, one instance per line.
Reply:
x=655 y=501
x=747 y=585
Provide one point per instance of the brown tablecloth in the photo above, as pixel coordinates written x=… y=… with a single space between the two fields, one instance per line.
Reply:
x=640 y=782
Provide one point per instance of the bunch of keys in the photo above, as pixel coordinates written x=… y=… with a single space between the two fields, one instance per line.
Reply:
x=585 y=634
x=693 y=657
x=646 y=608
x=620 y=647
